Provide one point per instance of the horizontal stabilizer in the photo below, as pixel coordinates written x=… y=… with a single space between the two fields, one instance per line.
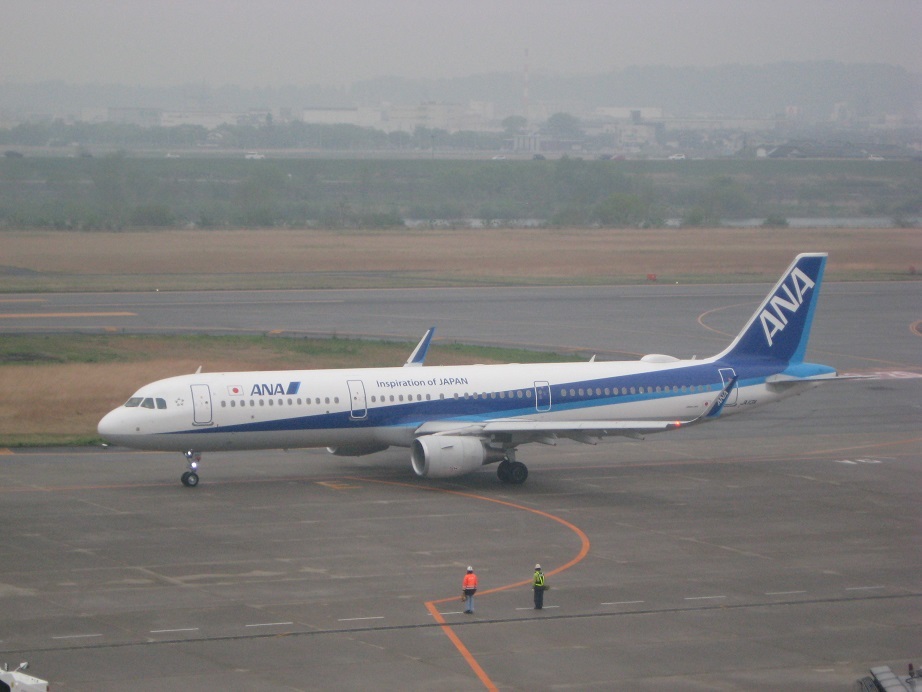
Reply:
x=782 y=381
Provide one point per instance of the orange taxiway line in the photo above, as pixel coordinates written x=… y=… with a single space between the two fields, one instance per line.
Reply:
x=431 y=605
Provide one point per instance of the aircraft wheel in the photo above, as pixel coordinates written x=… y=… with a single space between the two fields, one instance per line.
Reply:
x=190 y=479
x=518 y=472
x=503 y=471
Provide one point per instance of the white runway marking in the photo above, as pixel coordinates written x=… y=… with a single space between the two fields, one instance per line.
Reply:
x=622 y=602
x=180 y=629
x=269 y=624
x=374 y=617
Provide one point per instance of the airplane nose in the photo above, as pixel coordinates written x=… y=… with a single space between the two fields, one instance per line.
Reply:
x=109 y=427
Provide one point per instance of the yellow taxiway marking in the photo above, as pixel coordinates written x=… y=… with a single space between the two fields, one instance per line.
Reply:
x=34 y=315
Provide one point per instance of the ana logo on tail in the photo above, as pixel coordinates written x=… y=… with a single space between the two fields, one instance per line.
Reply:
x=772 y=317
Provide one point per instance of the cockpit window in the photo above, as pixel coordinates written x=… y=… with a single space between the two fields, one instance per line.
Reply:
x=146 y=402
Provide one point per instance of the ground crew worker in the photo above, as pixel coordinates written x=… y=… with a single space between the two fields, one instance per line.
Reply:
x=539 y=587
x=468 y=589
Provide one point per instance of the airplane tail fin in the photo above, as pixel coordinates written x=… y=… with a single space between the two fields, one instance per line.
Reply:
x=780 y=328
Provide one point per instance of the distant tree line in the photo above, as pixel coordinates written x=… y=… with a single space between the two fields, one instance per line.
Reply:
x=118 y=191
x=289 y=135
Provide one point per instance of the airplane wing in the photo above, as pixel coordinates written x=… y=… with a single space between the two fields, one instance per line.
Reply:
x=418 y=357
x=587 y=431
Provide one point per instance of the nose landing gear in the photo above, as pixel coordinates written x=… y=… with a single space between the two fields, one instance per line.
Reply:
x=190 y=477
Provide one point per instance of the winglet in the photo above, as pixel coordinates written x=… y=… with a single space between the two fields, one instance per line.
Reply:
x=418 y=356
x=722 y=398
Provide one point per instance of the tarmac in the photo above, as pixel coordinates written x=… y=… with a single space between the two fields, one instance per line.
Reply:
x=778 y=550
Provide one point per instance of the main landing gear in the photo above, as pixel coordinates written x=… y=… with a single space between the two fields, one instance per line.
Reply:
x=190 y=477
x=512 y=471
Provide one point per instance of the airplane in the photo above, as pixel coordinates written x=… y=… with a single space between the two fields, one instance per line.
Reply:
x=457 y=419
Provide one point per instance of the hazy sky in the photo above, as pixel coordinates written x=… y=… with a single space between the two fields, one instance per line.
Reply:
x=337 y=42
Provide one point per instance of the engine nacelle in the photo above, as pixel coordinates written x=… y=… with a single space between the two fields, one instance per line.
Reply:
x=356 y=451
x=444 y=456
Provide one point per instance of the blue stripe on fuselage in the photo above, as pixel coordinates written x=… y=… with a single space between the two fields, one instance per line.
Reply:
x=490 y=405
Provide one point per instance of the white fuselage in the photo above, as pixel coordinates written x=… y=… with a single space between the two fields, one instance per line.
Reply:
x=377 y=407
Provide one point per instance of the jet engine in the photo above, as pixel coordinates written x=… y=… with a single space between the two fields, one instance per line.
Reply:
x=438 y=456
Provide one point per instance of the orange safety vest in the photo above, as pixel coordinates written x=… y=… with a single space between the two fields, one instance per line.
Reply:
x=470 y=581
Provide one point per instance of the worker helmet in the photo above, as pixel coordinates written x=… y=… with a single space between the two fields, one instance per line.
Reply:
x=470 y=569
x=537 y=566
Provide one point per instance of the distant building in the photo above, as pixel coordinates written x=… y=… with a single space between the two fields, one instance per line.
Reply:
x=360 y=116
x=631 y=113
x=143 y=117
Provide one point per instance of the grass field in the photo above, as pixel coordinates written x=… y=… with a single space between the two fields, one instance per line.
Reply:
x=57 y=388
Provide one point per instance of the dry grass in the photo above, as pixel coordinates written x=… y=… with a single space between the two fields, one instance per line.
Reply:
x=318 y=257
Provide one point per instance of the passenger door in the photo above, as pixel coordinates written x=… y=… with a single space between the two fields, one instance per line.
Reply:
x=201 y=405
x=358 y=403
x=542 y=396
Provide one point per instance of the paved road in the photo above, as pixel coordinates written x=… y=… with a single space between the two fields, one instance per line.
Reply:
x=778 y=551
